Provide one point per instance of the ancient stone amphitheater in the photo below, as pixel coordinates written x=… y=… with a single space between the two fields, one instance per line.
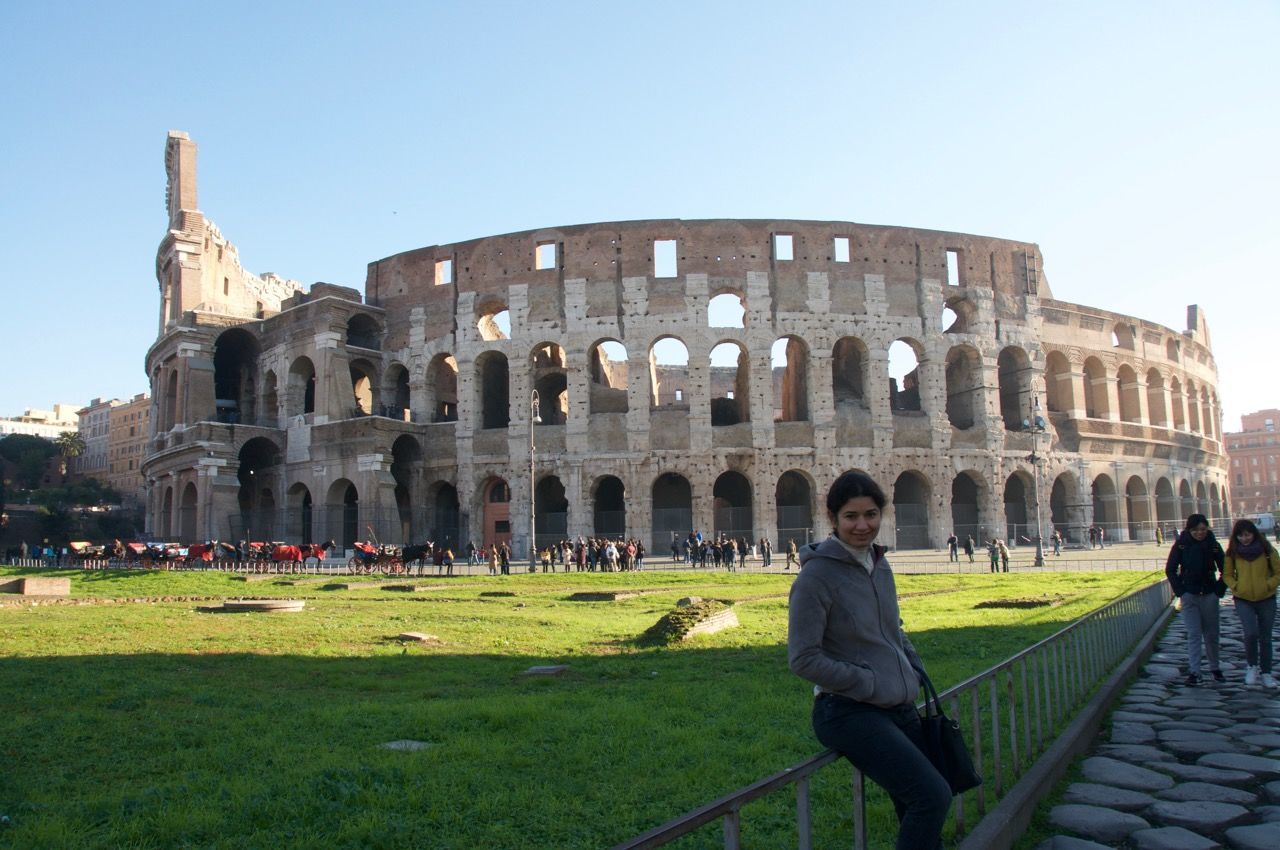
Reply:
x=650 y=378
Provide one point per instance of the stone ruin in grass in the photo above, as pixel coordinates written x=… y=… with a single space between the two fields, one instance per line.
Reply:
x=692 y=616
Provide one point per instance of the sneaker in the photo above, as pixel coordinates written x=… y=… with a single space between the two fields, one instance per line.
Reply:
x=1268 y=681
x=1217 y=676
x=1251 y=676
x=1193 y=680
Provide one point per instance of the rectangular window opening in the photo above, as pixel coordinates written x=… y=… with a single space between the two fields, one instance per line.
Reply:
x=444 y=272
x=783 y=247
x=664 y=258
x=544 y=256
x=840 y=248
x=679 y=395
x=953 y=267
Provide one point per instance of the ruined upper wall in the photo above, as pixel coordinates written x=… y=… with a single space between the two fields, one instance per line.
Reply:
x=725 y=251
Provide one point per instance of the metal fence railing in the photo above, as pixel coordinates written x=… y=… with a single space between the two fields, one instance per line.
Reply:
x=1010 y=715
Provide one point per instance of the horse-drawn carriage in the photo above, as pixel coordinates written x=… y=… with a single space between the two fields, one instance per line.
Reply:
x=372 y=558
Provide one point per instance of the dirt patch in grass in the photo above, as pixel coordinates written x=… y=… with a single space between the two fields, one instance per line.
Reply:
x=1023 y=602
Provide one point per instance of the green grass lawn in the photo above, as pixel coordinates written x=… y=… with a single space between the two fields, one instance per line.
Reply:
x=161 y=725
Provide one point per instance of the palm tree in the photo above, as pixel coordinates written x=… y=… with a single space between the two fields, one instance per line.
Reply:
x=70 y=444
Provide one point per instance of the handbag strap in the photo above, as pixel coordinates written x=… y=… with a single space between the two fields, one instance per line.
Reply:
x=932 y=705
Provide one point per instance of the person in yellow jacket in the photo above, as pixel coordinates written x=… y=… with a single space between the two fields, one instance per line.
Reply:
x=1252 y=571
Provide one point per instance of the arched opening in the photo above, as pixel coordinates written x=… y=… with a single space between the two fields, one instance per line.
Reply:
x=1059 y=391
x=1186 y=503
x=166 y=514
x=848 y=373
x=270 y=401
x=1014 y=370
x=1096 y=400
x=1122 y=336
x=187 y=515
x=964 y=386
x=609 y=507
x=1156 y=399
x=1018 y=507
x=727 y=310
x=257 y=470
x=299 y=524
x=548 y=368
x=1105 y=510
x=1066 y=513
x=911 y=511
x=493 y=321
x=967 y=495
x=363 y=331
x=343 y=513
x=364 y=391
x=170 y=402
x=672 y=506
x=1206 y=414
x=493 y=390
x=442 y=385
x=607 y=365
x=669 y=374
x=551 y=521
x=1127 y=390
x=793 y=501
x=302 y=388
x=1138 y=507
x=406 y=470
x=1202 y=499
x=904 y=376
x=1167 y=506
x=959 y=316
x=1178 y=404
x=497 y=512
x=446 y=516
x=235 y=368
x=1215 y=505
x=396 y=392
x=730 y=385
x=790 y=363
x=1193 y=409
x=733 y=514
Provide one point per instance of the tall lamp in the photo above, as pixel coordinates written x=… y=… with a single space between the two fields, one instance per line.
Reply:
x=1036 y=426
x=534 y=419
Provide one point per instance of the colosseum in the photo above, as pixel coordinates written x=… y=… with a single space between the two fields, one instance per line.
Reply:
x=650 y=378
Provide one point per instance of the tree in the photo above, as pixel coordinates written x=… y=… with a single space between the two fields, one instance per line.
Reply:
x=70 y=444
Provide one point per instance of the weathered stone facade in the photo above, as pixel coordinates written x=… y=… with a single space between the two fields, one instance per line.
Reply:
x=407 y=414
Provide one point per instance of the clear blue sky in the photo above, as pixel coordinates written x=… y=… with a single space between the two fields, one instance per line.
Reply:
x=1137 y=142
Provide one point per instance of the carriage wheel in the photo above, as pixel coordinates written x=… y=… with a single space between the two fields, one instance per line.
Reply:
x=354 y=564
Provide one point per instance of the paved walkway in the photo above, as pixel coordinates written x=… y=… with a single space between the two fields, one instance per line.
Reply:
x=1184 y=768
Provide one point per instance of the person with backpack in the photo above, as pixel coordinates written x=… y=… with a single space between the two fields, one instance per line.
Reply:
x=1193 y=567
x=1251 y=569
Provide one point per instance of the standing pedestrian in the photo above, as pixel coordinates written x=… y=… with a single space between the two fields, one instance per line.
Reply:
x=1093 y=536
x=993 y=554
x=1251 y=569
x=766 y=552
x=845 y=636
x=1004 y=554
x=1057 y=542
x=1194 y=564
x=953 y=548
x=969 y=546
x=791 y=553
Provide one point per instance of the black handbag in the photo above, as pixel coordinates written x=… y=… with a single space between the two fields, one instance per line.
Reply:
x=944 y=742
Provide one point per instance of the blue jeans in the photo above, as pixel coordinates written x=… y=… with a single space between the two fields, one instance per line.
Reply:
x=1200 y=616
x=1257 y=619
x=884 y=743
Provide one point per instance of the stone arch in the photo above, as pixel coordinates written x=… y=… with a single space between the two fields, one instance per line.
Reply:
x=1066 y=511
x=442 y=388
x=607 y=367
x=669 y=373
x=166 y=514
x=727 y=309
x=1106 y=506
x=609 y=507
x=493 y=320
x=551 y=511
x=1127 y=391
x=270 y=400
x=790 y=379
x=407 y=471
x=171 y=401
x=1178 y=403
x=187 y=512
x=964 y=315
x=793 y=504
x=671 y=504
x=1186 y=502
x=1059 y=389
x=1156 y=404
x=911 y=497
x=849 y=359
x=235 y=369
x=1167 y=507
x=1171 y=349
x=257 y=471
x=547 y=366
x=1019 y=506
x=444 y=521
x=1138 y=507
x=1123 y=335
x=1014 y=371
x=396 y=394
x=493 y=391
x=342 y=509
x=1202 y=499
x=299 y=518
x=365 y=392
x=1193 y=409
x=1097 y=402
x=301 y=390
x=969 y=501
x=495 y=508
x=905 y=359
x=364 y=331
x=964 y=386
x=1215 y=503
x=732 y=497
x=1206 y=413
x=730 y=384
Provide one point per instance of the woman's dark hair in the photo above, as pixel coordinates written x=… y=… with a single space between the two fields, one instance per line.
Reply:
x=1196 y=519
x=1241 y=526
x=851 y=485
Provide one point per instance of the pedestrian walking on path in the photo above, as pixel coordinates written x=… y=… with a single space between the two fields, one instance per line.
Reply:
x=1252 y=570
x=1193 y=568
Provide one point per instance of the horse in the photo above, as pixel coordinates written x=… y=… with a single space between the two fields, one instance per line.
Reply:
x=294 y=555
x=417 y=554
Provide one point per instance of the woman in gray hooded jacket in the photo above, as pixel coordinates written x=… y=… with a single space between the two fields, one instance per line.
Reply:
x=845 y=636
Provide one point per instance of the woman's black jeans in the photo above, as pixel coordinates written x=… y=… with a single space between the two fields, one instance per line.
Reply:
x=884 y=743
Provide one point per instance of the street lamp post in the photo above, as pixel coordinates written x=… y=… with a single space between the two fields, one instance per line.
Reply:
x=534 y=419
x=1036 y=425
